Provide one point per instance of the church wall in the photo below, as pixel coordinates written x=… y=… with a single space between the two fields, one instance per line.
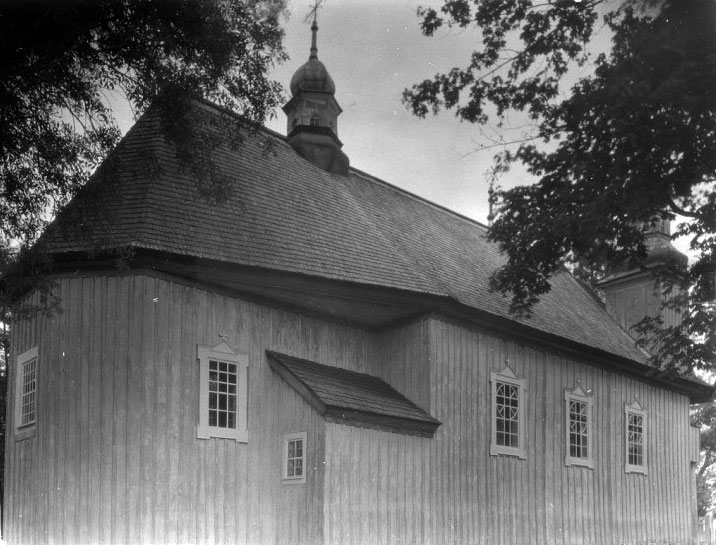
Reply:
x=390 y=488
x=115 y=456
x=403 y=361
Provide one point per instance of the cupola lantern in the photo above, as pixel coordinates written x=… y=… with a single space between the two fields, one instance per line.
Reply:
x=312 y=114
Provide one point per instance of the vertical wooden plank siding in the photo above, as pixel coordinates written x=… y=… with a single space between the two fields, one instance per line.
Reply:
x=471 y=497
x=115 y=456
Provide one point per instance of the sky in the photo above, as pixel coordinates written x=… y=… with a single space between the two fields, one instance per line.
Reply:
x=373 y=51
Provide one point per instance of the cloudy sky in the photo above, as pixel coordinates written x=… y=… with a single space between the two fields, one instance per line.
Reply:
x=373 y=51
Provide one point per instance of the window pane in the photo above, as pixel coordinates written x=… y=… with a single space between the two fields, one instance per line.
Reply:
x=578 y=429
x=28 y=388
x=507 y=414
x=223 y=380
x=294 y=458
x=635 y=439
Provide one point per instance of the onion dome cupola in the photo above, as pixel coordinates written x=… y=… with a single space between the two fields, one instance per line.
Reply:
x=312 y=114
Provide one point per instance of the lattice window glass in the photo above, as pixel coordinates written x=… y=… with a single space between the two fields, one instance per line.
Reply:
x=578 y=429
x=26 y=392
x=28 y=384
x=635 y=439
x=223 y=393
x=507 y=415
x=223 y=382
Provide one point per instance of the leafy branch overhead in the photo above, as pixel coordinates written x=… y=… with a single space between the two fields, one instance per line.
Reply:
x=66 y=64
x=632 y=142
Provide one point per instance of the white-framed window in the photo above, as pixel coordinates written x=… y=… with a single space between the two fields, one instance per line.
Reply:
x=223 y=383
x=26 y=389
x=635 y=438
x=578 y=427
x=508 y=414
x=294 y=458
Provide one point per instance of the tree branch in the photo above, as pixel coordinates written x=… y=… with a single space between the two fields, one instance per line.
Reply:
x=679 y=210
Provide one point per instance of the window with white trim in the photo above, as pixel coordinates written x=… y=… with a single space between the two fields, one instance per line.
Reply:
x=223 y=382
x=26 y=389
x=508 y=401
x=578 y=426
x=294 y=457
x=635 y=438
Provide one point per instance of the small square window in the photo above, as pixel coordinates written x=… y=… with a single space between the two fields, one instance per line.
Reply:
x=294 y=458
x=578 y=423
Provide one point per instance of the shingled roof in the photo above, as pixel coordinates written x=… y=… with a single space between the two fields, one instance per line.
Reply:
x=349 y=397
x=284 y=214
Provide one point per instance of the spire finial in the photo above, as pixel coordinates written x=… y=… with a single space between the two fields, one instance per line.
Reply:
x=313 y=12
x=314 y=48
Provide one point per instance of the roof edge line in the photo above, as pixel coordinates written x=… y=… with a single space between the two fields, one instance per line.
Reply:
x=356 y=170
x=274 y=360
x=439 y=207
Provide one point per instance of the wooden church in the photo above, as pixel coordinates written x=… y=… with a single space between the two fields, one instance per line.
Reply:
x=318 y=359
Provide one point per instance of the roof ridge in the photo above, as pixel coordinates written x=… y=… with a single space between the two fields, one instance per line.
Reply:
x=417 y=197
x=354 y=169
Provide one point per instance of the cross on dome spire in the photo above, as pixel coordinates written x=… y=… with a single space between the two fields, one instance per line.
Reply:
x=312 y=113
x=314 y=27
x=313 y=12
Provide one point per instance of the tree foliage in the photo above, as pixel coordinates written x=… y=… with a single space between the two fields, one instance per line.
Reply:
x=704 y=417
x=65 y=64
x=632 y=142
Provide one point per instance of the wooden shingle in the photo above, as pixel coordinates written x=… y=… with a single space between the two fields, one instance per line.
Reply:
x=353 y=398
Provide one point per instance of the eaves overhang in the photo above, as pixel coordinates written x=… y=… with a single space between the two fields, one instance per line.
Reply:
x=372 y=307
x=348 y=397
